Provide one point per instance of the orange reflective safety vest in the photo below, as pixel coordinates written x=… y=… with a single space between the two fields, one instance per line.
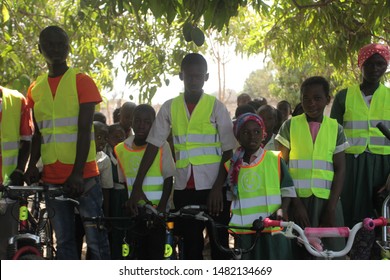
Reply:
x=129 y=161
x=258 y=193
x=57 y=119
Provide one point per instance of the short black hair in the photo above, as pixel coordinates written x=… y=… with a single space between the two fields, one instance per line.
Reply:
x=52 y=28
x=242 y=109
x=114 y=127
x=284 y=102
x=191 y=59
x=115 y=114
x=298 y=110
x=100 y=125
x=316 y=80
x=268 y=107
x=145 y=107
x=99 y=116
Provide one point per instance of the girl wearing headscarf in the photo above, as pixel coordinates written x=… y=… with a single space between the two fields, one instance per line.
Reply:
x=359 y=108
x=261 y=187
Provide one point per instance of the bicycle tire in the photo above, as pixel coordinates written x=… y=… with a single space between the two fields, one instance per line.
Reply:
x=28 y=253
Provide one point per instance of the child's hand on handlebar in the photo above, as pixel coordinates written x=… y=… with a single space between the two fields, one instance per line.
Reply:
x=215 y=202
x=73 y=186
x=31 y=175
x=132 y=203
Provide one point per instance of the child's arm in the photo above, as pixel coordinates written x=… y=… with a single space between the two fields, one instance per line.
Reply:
x=328 y=216
x=168 y=170
x=215 y=199
x=107 y=184
x=167 y=189
x=75 y=181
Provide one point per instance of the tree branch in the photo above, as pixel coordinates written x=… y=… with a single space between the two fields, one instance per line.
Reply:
x=323 y=3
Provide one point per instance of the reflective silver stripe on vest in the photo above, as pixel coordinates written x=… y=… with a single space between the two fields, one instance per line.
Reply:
x=10 y=146
x=247 y=219
x=359 y=141
x=58 y=122
x=10 y=160
x=62 y=138
x=373 y=123
x=379 y=141
x=315 y=183
x=355 y=125
x=260 y=201
x=154 y=195
x=198 y=152
x=196 y=138
x=308 y=164
x=148 y=181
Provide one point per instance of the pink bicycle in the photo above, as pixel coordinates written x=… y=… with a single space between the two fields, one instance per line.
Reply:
x=310 y=236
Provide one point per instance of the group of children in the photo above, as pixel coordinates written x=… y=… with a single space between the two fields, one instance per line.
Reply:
x=261 y=164
x=293 y=171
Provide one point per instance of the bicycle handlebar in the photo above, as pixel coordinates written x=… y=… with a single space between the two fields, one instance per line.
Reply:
x=15 y=192
x=319 y=232
x=198 y=212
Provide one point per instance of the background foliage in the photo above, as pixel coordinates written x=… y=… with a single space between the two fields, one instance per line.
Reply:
x=300 y=37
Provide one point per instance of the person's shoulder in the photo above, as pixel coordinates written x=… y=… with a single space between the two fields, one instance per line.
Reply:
x=13 y=92
x=83 y=77
x=287 y=123
x=341 y=94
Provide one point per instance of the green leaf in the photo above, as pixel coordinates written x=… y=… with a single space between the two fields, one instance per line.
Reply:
x=157 y=7
x=136 y=4
x=5 y=13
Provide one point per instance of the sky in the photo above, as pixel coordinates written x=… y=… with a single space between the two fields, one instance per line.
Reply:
x=237 y=71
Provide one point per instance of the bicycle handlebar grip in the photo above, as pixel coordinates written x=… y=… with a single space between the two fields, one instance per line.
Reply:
x=271 y=223
x=380 y=222
x=368 y=224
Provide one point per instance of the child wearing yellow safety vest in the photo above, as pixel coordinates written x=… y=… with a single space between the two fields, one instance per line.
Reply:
x=261 y=187
x=157 y=184
x=359 y=108
x=313 y=146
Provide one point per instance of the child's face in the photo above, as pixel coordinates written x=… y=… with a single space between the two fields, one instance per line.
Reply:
x=250 y=137
x=116 y=137
x=54 y=47
x=285 y=110
x=101 y=138
x=126 y=118
x=314 y=101
x=242 y=100
x=269 y=118
x=194 y=77
x=142 y=123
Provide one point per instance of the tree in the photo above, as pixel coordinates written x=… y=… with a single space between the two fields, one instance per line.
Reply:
x=148 y=34
x=258 y=83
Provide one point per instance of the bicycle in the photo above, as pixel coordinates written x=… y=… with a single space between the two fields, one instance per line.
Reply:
x=128 y=248
x=198 y=212
x=173 y=248
x=310 y=236
x=35 y=234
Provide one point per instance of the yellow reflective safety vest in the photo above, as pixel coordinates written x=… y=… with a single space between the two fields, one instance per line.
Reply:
x=10 y=129
x=360 y=121
x=311 y=165
x=57 y=119
x=258 y=193
x=196 y=140
x=129 y=161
